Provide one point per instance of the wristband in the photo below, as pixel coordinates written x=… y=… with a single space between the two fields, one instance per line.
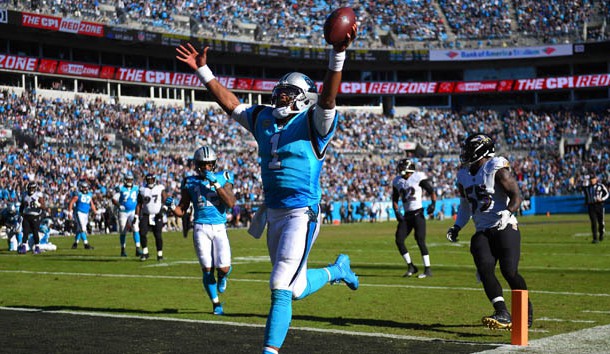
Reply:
x=205 y=74
x=336 y=60
x=216 y=185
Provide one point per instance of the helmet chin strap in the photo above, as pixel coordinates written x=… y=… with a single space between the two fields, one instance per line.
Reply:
x=282 y=112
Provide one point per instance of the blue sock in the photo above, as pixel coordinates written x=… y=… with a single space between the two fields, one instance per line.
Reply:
x=136 y=237
x=335 y=273
x=122 y=239
x=316 y=279
x=209 y=284
x=84 y=237
x=279 y=318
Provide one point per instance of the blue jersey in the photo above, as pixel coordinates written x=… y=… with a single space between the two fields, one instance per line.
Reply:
x=128 y=197
x=83 y=204
x=208 y=207
x=291 y=157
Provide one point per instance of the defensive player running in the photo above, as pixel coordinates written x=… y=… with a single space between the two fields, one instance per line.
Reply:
x=490 y=195
x=407 y=187
x=292 y=138
x=126 y=199
x=150 y=202
x=211 y=194
x=83 y=199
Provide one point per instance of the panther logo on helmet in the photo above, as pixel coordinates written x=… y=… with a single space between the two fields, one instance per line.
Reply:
x=405 y=166
x=128 y=179
x=476 y=147
x=293 y=93
x=203 y=156
x=83 y=186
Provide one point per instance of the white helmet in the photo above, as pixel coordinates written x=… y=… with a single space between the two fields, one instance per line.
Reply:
x=204 y=155
x=301 y=90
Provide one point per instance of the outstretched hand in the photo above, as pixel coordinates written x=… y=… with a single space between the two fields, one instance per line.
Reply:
x=189 y=55
x=349 y=38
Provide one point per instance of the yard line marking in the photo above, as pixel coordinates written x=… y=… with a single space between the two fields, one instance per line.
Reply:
x=593 y=311
x=241 y=324
x=266 y=281
x=562 y=320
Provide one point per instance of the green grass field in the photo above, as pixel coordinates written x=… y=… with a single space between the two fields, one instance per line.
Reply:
x=568 y=279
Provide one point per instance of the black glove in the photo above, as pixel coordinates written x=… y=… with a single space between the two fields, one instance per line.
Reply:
x=431 y=208
x=452 y=233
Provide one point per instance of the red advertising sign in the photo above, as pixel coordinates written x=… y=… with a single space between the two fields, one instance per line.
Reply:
x=49 y=66
x=86 y=70
x=60 y=24
x=14 y=62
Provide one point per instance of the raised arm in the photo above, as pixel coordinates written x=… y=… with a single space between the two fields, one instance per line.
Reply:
x=198 y=62
x=332 y=79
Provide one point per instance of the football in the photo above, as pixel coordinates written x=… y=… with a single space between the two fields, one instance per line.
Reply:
x=338 y=24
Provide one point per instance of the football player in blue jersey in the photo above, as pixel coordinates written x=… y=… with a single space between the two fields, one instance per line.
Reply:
x=211 y=194
x=126 y=199
x=10 y=218
x=80 y=206
x=292 y=136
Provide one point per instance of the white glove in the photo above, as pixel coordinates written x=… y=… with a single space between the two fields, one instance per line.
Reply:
x=122 y=208
x=505 y=219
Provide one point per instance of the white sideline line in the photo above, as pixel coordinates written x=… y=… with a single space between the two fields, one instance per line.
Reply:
x=593 y=311
x=266 y=281
x=241 y=324
x=589 y=340
x=562 y=320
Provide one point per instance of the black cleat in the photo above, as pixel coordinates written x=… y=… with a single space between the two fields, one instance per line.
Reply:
x=144 y=257
x=138 y=252
x=89 y=247
x=411 y=270
x=74 y=245
x=427 y=273
x=530 y=315
x=123 y=254
x=159 y=258
x=499 y=320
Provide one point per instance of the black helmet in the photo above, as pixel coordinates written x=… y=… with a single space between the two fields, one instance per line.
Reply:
x=32 y=187
x=150 y=180
x=476 y=147
x=405 y=166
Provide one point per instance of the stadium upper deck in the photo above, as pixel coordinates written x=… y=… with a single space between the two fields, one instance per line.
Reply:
x=382 y=23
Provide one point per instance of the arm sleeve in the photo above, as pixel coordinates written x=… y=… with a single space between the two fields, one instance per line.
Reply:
x=240 y=115
x=463 y=214
x=324 y=119
x=426 y=184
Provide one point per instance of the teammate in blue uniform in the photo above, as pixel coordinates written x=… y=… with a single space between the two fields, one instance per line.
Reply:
x=126 y=199
x=292 y=137
x=80 y=206
x=10 y=218
x=211 y=194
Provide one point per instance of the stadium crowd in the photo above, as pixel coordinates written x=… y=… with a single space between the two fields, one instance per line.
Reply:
x=360 y=167
x=408 y=20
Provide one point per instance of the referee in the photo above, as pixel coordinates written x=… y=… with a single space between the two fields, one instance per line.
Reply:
x=595 y=195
